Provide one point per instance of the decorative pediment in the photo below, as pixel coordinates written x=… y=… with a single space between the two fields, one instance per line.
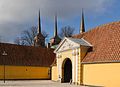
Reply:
x=66 y=44
x=71 y=43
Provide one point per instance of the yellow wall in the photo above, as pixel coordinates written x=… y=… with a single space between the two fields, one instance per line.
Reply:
x=24 y=72
x=107 y=75
x=82 y=53
x=54 y=73
x=1 y=72
x=67 y=54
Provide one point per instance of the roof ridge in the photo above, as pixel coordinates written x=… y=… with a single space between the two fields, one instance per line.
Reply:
x=99 y=26
x=102 y=25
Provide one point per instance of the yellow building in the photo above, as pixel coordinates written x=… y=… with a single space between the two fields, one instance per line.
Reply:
x=90 y=58
x=25 y=62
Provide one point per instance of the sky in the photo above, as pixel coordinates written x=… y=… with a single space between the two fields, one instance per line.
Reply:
x=19 y=15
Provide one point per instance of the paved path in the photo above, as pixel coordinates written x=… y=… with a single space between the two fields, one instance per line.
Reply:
x=35 y=83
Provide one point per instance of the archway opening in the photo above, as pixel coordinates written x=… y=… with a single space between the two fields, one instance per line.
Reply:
x=67 y=70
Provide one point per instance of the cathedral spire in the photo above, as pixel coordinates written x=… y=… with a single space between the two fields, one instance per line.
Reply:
x=39 y=39
x=39 y=24
x=82 y=26
x=55 y=25
x=54 y=41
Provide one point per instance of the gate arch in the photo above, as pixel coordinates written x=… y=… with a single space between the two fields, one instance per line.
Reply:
x=67 y=70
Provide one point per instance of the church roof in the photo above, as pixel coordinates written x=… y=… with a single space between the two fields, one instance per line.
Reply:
x=80 y=41
x=106 y=43
x=26 y=55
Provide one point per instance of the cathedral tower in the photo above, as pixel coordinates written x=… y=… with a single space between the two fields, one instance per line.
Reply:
x=39 y=40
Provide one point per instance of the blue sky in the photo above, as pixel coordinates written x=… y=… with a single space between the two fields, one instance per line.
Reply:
x=19 y=15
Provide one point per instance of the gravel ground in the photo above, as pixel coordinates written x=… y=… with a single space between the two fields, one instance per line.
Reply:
x=35 y=83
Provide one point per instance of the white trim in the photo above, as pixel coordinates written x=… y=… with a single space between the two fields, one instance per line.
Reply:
x=59 y=65
x=73 y=40
x=69 y=49
x=59 y=45
x=61 y=62
x=76 y=66
x=73 y=66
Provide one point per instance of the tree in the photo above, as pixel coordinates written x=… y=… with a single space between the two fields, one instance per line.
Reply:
x=17 y=41
x=27 y=36
x=66 y=31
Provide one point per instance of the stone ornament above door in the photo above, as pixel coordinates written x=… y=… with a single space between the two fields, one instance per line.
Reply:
x=71 y=43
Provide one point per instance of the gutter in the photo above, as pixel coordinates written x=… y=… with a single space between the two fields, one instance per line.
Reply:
x=101 y=62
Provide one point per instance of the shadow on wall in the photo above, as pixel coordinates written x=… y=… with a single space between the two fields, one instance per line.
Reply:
x=93 y=86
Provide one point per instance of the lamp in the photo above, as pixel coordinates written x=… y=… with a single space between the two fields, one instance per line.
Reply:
x=4 y=54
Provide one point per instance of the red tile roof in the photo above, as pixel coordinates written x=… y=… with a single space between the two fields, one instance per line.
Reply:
x=106 y=43
x=26 y=55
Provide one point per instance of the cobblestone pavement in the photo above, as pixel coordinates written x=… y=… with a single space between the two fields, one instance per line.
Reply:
x=35 y=83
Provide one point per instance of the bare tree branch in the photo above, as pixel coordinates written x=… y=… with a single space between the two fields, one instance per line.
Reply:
x=44 y=34
x=66 y=31
x=17 y=41
x=27 y=36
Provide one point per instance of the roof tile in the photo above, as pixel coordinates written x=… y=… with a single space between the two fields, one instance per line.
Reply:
x=26 y=55
x=106 y=43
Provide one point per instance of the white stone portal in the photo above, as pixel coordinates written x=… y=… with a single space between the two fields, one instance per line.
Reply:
x=69 y=48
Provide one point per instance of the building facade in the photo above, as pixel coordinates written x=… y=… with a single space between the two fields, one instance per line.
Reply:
x=31 y=62
x=90 y=58
x=25 y=62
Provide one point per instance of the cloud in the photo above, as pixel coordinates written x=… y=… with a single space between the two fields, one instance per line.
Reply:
x=15 y=14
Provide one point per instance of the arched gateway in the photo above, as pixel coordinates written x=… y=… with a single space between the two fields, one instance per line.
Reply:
x=66 y=70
